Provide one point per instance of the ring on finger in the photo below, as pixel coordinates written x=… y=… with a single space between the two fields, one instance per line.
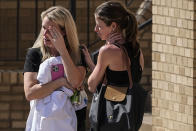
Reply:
x=54 y=36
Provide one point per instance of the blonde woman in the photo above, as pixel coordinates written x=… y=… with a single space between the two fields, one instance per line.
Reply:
x=58 y=37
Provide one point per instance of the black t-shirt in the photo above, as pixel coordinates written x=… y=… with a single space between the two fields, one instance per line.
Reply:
x=34 y=59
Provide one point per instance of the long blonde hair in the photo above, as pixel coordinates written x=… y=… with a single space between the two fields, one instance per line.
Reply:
x=63 y=18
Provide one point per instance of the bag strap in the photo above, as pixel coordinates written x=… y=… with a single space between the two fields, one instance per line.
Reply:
x=128 y=64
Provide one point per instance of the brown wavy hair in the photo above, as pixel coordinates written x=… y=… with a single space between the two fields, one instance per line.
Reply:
x=112 y=11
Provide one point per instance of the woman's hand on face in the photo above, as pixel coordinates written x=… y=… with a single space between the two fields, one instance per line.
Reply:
x=57 y=39
x=115 y=38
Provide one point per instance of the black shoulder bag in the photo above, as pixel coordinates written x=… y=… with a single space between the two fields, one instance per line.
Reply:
x=96 y=107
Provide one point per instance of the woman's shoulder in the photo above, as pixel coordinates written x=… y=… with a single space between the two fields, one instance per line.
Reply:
x=109 y=52
x=34 y=52
x=109 y=48
x=34 y=49
x=33 y=60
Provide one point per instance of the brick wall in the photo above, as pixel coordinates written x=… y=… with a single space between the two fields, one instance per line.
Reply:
x=13 y=106
x=173 y=65
x=27 y=27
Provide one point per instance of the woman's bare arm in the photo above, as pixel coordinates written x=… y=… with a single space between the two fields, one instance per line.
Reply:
x=99 y=70
x=34 y=90
x=75 y=75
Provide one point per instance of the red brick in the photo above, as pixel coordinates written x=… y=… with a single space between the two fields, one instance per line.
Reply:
x=27 y=36
x=18 y=124
x=4 y=88
x=6 y=77
x=21 y=78
x=13 y=77
x=0 y=77
x=4 y=115
x=20 y=106
x=17 y=115
x=8 y=5
x=18 y=89
x=9 y=97
x=27 y=4
x=4 y=124
x=4 y=106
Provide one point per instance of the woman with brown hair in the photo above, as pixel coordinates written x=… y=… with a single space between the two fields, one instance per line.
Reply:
x=121 y=53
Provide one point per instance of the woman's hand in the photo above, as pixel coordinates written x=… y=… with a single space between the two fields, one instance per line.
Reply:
x=56 y=37
x=115 y=38
x=87 y=56
x=66 y=83
x=34 y=90
x=75 y=75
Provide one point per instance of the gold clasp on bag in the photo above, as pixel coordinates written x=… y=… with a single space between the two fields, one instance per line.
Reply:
x=115 y=93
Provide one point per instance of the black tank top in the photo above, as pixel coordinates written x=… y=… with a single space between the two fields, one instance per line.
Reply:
x=121 y=78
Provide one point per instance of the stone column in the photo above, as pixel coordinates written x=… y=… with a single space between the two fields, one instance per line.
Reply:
x=173 y=65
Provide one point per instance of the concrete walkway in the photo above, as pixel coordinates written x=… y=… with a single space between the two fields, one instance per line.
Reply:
x=147 y=122
x=146 y=125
